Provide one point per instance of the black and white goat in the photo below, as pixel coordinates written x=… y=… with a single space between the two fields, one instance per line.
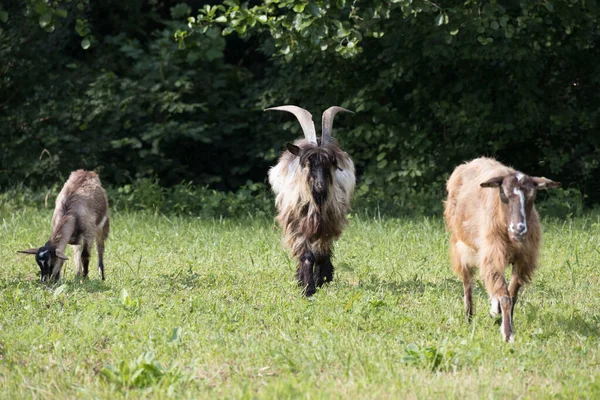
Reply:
x=314 y=183
x=80 y=217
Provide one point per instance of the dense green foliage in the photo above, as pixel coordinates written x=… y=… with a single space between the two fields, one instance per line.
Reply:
x=196 y=308
x=132 y=105
x=160 y=92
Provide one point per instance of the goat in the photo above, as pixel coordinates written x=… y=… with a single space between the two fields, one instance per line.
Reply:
x=80 y=216
x=314 y=183
x=491 y=229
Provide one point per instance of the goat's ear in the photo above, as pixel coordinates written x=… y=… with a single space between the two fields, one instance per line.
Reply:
x=543 y=183
x=292 y=148
x=29 y=251
x=336 y=165
x=494 y=182
x=61 y=255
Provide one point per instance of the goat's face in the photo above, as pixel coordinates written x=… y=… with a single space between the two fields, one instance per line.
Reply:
x=319 y=164
x=517 y=193
x=48 y=258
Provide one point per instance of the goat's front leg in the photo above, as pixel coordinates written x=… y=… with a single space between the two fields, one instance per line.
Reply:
x=492 y=269
x=494 y=306
x=521 y=274
x=305 y=273
x=323 y=269
x=77 y=250
x=56 y=270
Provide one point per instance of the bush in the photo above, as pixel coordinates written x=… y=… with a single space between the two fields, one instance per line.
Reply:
x=255 y=200
x=561 y=203
x=431 y=87
x=251 y=200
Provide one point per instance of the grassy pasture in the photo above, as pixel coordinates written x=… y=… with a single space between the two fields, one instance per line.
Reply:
x=194 y=308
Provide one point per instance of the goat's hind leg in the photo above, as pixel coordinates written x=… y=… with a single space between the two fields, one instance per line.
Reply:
x=85 y=258
x=305 y=273
x=100 y=239
x=468 y=296
x=462 y=269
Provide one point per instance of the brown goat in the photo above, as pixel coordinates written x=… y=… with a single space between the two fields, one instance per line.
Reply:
x=80 y=217
x=491 y=229
x=314 y=183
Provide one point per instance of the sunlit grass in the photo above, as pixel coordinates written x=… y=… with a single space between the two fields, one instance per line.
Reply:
x=194 y=308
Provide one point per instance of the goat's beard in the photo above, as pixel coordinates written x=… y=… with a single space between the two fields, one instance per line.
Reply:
x=319 y=198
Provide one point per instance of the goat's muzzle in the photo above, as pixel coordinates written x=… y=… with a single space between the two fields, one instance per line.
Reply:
x=517 y=232
x=320 y=187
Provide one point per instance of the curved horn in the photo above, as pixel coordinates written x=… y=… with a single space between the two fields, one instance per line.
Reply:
x=327 y=122
x=305 y=119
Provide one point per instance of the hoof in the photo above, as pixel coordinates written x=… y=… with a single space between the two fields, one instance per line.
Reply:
x=507 y=338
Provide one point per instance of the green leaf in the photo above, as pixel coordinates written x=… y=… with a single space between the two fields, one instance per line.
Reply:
x=313 y=9
x=549 y=6
x=221 y=19
x=85 y=43
x=299 y=8
x=439 y=19
x=124 y=297
x=348 y=305
x=59 y=290
x=176 y=335
x=62 y=13
x=342 y=32
x=3 y=16
x=454 y=32
x=241 y=29
x=45 y=19
x=494 y=25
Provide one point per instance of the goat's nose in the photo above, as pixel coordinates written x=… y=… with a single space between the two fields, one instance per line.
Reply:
x=319 y=186
x=521 y=228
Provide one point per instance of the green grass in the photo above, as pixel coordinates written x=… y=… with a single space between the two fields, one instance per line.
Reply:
x=194 y=308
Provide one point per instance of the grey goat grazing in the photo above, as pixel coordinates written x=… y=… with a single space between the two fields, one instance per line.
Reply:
x=314 y=183
x=80 y=217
